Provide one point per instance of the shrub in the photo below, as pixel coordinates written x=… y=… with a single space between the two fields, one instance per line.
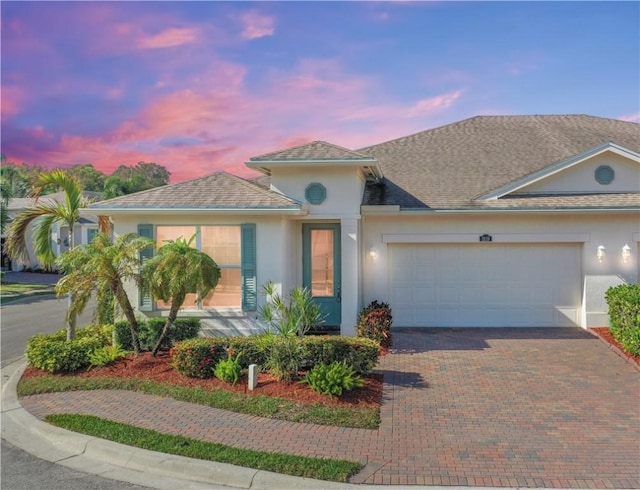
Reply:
x=624 y=313
x=285 y=358
x=253 y=349
x=197 y=357
x=228 y=370
x=359 y=353
x=54 y=353
x=149 y=332
x=291 y=316
x=374 y=322
x=332 y=379
x=105 y=355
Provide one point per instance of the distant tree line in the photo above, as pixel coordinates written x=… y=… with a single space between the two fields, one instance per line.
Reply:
x=17 y=180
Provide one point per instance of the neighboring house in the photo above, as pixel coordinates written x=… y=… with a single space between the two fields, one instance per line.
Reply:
x=491 y=221
x=84 y=230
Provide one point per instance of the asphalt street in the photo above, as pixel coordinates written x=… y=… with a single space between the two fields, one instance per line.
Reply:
x=20 y=470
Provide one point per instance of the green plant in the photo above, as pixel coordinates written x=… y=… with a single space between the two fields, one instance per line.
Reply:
x=285 y=358
x=292 y=316
x=360 y=353
x=176 y=270
x=197 y=358
x=624 y=313
x=149 y=332
x=374 y=322
x=105 y=355
x=252 y=349
x=332 y=379
x=54 y=353
x=229 y=370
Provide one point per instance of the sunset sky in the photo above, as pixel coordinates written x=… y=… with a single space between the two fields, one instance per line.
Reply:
x=201 y=86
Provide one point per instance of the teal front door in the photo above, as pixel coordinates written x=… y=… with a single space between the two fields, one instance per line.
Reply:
x=321 y=268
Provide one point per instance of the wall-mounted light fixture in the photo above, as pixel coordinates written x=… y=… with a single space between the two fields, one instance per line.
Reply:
x=601 y=252
x=626 y=252
x=372 y=253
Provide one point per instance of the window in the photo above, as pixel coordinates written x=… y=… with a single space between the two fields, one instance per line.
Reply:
x=605 y=175
x=91 y=234
x=222 y=244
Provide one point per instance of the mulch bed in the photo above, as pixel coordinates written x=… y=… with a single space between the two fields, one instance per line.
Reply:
x=605 y=334
x=158 y=369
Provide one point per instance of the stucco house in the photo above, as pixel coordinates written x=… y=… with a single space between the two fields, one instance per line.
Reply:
x=84 y=229
x=490 y=221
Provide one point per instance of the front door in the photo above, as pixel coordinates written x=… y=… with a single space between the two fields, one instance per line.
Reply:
x=321 y=268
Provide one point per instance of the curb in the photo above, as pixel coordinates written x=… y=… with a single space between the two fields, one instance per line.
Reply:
x=125 y=463
x=615 y=349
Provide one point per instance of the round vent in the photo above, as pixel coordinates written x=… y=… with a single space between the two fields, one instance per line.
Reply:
x=315 y=193
x=605 y=174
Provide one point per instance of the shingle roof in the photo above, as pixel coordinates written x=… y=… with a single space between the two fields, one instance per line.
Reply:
x=216 y=191
x=18 y=203
x=451 y=166
x=314 y=151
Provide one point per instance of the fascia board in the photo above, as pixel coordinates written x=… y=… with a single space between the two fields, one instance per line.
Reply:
x=265 y=166
x=559 y=167
x=195 y=211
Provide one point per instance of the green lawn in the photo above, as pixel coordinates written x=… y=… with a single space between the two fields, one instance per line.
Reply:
x=21 y=288
x=318 y=468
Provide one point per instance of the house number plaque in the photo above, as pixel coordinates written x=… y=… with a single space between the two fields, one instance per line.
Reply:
x=486 y=238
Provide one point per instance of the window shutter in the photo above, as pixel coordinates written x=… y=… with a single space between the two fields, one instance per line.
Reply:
x=146 y=300
x=248 y=267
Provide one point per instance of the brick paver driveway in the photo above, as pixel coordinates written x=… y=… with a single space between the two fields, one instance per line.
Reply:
x=485 y=407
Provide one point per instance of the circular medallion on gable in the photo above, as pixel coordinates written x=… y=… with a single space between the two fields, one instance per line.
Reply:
x=315 y=193
x=605 y=174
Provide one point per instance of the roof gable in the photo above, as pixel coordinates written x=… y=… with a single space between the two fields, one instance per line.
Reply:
x=534 y=183
x=218 y=191
x=450 y=167
x=314 y=151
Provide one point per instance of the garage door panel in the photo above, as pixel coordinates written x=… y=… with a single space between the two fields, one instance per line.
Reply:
x=485 y=284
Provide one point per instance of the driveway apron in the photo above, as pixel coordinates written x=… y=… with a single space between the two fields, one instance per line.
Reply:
x=480 y=407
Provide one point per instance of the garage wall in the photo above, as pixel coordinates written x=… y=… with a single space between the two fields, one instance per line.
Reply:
x=585 y=231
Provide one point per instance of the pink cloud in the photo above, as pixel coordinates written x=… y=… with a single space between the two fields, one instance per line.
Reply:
x=219 y=122
x=169 y=38
x=630 y=117
x=433 y=104
x=12 y=98
x=256 y=25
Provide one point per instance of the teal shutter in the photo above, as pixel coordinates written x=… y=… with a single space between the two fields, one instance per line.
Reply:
x=146 y=300
x=248 y=267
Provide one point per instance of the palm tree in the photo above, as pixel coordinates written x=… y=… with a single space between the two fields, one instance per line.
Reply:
x=43 y=215
x=174 y=272
x=5 y=196
x=101 y=266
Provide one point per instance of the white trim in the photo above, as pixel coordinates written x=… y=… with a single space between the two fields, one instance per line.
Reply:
x=496 y=238
x=196 y=211
x=558 y=167
x=265 y=166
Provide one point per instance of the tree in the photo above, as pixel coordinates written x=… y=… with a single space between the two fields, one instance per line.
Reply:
x=103 y=266
x=5 y=196
x=129 y=179
x=175 y=271
x=43 y=215
x=16 y=178
x=90 y=179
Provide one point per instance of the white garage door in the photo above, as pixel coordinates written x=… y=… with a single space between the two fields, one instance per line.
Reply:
x=474 y=285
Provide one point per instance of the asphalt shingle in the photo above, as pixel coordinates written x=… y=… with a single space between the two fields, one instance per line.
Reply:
x=216 y=191
x=451 y=166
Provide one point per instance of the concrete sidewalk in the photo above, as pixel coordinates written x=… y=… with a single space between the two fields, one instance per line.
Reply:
x=462 y=407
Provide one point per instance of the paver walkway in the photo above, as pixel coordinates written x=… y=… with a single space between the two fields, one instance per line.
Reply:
x=482 y=407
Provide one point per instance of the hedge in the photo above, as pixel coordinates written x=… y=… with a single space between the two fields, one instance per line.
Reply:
x=54 y=353
x=198 y=357
x=149 y=331
x=624 y=314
